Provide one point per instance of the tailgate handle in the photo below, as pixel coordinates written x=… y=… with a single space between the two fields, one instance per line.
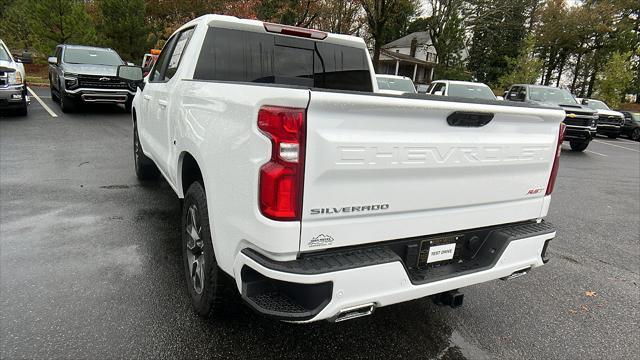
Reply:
x=469 y=119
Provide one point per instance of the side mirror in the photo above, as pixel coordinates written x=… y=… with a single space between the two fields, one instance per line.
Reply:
x=439 y=93
x=585 y=102
x=499 y=98
x=52 y=60
x=130 y=73
x=26 y=58
x=129 y=63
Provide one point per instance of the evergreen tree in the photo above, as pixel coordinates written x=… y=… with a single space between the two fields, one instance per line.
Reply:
x=122 y=27
x=497 y=36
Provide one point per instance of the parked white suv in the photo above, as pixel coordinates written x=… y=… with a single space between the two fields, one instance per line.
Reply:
x=461 y=89
x=323 y=199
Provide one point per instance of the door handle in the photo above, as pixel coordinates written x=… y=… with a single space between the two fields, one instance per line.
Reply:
x=146 y=97
x=469 y=119
x=162 y=103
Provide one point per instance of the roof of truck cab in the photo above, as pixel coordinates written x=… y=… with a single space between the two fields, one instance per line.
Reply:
x=392 y=76
x=462 y=82
x=232 y=22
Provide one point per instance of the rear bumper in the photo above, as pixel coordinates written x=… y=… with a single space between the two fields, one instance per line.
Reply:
x=104 y=96
x=320 y=286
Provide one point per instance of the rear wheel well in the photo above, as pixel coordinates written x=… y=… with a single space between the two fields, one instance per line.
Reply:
x=190 y=172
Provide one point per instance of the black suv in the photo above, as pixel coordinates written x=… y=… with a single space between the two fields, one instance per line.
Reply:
x=87 y=74
x=581 y=121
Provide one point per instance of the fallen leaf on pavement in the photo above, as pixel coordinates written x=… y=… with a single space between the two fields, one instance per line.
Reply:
x=590 y=293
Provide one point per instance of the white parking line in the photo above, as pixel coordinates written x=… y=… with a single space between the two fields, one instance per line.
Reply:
x=597 y=153
x=622 y=147
x=626 y=140
x=42 y=103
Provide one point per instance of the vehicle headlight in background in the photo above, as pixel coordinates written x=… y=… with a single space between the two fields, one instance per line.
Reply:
x=15 y=78
x=70 y=80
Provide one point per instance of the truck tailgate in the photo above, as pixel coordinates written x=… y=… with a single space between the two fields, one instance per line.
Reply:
x=381 y=168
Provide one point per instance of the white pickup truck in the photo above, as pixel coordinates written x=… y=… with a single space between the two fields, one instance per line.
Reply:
x=323 y=199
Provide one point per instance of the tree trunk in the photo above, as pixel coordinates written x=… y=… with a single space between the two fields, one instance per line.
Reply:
x=576 y=71
x=563 y=60
x=592 y=82
x=376 y=54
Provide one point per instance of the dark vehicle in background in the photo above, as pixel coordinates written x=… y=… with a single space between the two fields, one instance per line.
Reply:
x=609 y=121
x=631 y=127
x=84 y=74
x=581 y=121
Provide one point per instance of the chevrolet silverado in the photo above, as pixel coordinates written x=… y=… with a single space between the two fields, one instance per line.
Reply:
x=323 y=199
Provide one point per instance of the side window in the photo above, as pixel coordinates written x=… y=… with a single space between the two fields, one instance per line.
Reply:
x=176 y=55
x=58 y=54
x=439 y=87
x=430 y=88
x=513 y=93
x=522 y=94
x=157 y=73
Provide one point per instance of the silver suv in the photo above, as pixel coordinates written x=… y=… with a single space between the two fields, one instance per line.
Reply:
x=87 y=74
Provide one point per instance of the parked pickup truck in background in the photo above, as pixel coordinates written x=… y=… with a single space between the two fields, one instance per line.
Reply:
x=581 y=121
x=323 y=199
x=609 y=122
x=84 y=74
x=13 y=85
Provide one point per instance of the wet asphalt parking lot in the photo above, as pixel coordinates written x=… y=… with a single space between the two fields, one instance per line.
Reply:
x=90 y=266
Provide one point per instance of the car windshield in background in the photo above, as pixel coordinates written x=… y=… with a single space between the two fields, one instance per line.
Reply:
x=635 y=117
x=554 y=96
x=404 y=85
x=92 y=57
x=471 y=91
x=4 y=55
x=597 y=105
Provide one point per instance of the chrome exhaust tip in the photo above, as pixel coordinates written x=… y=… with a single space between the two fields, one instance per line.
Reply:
x=517 y=274
x=355 y=312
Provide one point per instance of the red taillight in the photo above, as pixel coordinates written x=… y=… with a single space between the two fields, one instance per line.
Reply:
x=295 y=31
x=556 y=160
x=281 y=178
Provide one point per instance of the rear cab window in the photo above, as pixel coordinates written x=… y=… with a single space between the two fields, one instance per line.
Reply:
x=244 y=56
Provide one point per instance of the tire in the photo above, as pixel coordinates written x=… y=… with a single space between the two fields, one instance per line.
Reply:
x=145 y=168
x=635 y=134
x=67 y=104
x=128 y=105
x=22 y=111
x=578 y=146
x=202 y=275
x=54 y=95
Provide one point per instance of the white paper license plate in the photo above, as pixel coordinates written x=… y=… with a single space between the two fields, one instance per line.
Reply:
x=441 y=252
